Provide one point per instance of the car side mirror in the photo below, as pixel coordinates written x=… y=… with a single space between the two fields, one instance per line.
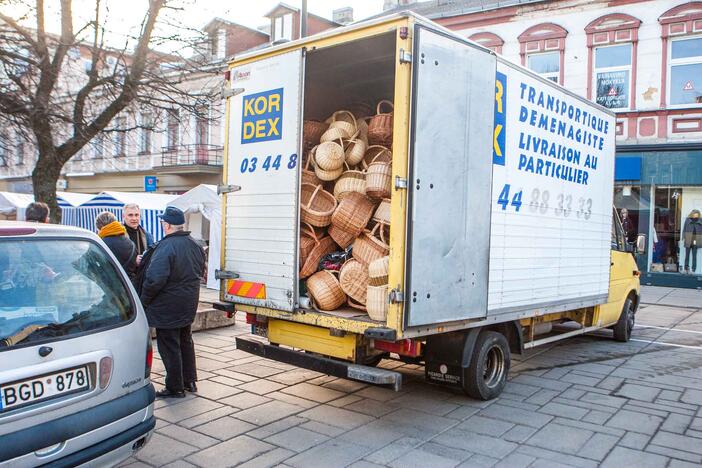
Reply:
x=640 y=243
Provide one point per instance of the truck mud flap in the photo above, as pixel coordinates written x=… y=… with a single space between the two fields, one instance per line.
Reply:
x=323 y=365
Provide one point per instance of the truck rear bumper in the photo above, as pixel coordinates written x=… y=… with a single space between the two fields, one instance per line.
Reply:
x=324 y=365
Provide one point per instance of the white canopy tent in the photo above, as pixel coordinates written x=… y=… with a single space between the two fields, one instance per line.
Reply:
x=14 y=204
x=203 y=218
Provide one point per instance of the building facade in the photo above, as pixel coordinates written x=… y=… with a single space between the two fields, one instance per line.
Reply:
x=641 y=59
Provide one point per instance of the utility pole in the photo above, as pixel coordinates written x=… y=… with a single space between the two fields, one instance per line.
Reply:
x=303 y=19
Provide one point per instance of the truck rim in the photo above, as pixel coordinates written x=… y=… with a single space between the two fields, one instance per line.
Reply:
x=494 y=366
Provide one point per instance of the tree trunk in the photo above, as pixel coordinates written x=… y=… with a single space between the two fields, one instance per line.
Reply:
x=44 y=178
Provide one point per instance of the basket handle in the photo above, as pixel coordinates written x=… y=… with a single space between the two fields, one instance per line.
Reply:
x=310 y=155
x=309 y=231
x=384 y=101
x=382 y=233
x=314 y=194
x=353 y=118
x=354 y=304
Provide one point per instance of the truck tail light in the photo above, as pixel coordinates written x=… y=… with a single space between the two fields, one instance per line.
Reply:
x=409 y=348
x=149 y=358
x=105 y=371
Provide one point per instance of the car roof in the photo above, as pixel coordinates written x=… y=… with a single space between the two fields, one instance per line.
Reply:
x=43 y=230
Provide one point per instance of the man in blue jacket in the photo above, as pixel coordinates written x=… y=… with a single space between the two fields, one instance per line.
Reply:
x=170 y=291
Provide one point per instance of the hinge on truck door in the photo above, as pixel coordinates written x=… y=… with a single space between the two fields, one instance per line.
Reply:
x=405 y=57
x=227 y=189
x=397 y=296
x=223 y=274
x=227 y=92
x=400 y=183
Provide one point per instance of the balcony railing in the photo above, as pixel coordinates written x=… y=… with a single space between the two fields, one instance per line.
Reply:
x=191 y=155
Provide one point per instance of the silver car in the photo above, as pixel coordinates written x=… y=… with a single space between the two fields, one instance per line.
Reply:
x=75 y=353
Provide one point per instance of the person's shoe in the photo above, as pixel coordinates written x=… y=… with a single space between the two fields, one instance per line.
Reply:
x=191 y=387
x=166 y=393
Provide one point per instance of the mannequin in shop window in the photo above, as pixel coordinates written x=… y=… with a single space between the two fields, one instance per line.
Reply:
x=628 y=226
x=692 y=239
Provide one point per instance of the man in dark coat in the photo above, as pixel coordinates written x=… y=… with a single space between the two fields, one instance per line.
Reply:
x=114 y=235
x=170 y=291
x=131 y=214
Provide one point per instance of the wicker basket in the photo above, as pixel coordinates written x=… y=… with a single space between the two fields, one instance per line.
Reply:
x=367 y=247
x=353 y=278
x=378 y=271
x=353 y=213
x=355 y=149
x=327 y=176
x=382 y=213
x=377 y=302
x=307 y=175
x=376 y=153
x=342 y=238
x=355 y=304
x=350 y=181
x=379 y=180
x=312 y=131
x=330 y=155
x=322 y=247
x=380 y=126
x=308 y=239
x=316 y=205
x=344 y=121
x=326 y=291
x=333 y=134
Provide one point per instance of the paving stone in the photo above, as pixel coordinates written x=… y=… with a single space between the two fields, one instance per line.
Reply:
x=331 y=453
x=215 y=390
x=674 y=453
x=230 y=453
x=294 y=376
x=447 y=452
x=132 y=463
x=372 y=407
x=225 y=380
x=557 y=409
x=677 y=442
x=638 y=392
x=476 y=443
x=515 y=460
x=338 y=417
x=479 y=461
x=580 y=379
x=635 y=422
x=374 y=435
x=521 y=389
x=187 y=436
x=345 y=385
x=561 y=438
x=417 y=423
x=428 y=404
x=244 y=400
x=610 y=383
x=692 y=396
x=606 y=400
x=677 y=423
x=326 y=429
x=670 y=395
x=235 y=375
x=635 y=440
x=485 y=426
x=598 y=446
x=542 y=397
x=346 y=400
x=365 y=464
x=261 y=386
x=256 y=369
x=276 y=427
x=693 y=433
x=555 y=373
x=643 y=409
x=515 y=415
x=377 y=393
x=313 y=392
x=177 y=464
x=463 y=412
x=597 y=417
x=187 y=409
x=556 y=457
x=393 y=451
x=590 y=427
x=519 y=404
x=572 y=394
x=689 y=410
x=162 y=450
x=697 y=423
x=519 y=434
x=268 y=412
x=292 y=399
x=225 y=428
x=297 y=439
x=682 y=464
x=541 y=382
x=421 y=459
x=268 y=459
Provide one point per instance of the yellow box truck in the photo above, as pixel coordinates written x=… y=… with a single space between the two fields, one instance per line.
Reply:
x=502 y=233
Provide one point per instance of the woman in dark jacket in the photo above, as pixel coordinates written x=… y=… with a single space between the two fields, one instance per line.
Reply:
x=114 y=235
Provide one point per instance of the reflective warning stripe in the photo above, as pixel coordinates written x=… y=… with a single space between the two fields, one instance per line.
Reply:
x=247 y=289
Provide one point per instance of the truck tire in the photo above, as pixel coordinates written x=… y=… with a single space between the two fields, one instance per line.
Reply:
x=489 y=366
x=625 y=324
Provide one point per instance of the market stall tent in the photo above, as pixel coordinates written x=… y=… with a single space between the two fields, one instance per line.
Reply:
x=12 y=205
x=203 y=218
x=151 y=206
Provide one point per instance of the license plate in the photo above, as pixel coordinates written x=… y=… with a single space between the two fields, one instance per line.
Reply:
x=34 y=390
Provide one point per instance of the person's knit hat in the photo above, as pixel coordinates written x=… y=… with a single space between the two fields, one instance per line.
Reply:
x=173 y=215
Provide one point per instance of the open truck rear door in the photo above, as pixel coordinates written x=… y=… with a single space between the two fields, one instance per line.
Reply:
x=261 y=218
x=450 y=179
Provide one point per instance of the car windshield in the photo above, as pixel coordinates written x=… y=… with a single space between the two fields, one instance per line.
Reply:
x=52 y=288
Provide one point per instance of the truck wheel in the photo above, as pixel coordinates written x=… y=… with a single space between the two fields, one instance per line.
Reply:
x=489 y=365
x=625 y=324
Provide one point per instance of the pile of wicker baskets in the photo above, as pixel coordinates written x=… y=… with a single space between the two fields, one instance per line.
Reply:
x=345 y=202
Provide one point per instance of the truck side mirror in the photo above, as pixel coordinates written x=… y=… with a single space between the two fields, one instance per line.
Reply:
x=640 y=243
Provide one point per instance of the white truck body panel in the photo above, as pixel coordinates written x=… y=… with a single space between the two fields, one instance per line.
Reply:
x=262 y=157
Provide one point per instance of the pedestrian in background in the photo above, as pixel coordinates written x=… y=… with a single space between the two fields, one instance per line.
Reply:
x=169 y=289
x=114 y=235
x=37 y=212
x=131 y=215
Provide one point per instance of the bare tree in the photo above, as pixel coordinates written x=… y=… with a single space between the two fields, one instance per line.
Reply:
x=61 y=110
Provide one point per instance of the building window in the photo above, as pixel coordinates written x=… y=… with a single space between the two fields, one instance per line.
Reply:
x=547 y=65
x=120 y=137
x=686 y=71
x=3 y=150
x=19 y=149
x=172 y=132
x=282 y=27
x=99 y=145
x=146 y=133
x=542 y=48
x=612 y=76
x=489 y=40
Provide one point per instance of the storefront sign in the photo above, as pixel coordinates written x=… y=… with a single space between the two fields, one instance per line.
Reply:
x=613 y=89
x=150 y=183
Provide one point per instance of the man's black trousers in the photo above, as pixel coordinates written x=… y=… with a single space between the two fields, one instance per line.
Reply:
x=175 y=345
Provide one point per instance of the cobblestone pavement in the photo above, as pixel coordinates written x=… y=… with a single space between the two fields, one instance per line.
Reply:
x=582 y=402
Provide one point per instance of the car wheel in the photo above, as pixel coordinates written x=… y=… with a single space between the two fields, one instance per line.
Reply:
x=489 y=366
x=625 y=324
